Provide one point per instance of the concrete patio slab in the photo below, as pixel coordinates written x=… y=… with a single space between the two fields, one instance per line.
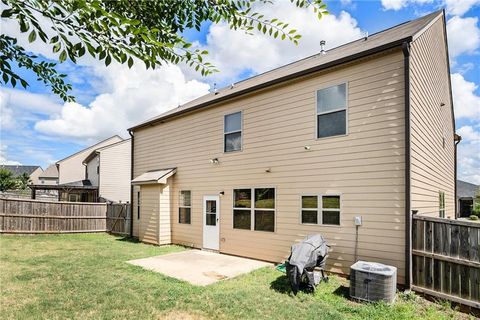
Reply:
x=199 y=267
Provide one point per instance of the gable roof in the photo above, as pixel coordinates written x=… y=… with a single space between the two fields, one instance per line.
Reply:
x=154 y=176
x=466 y=189
x=375 y=43
x=92 y=154
x=93 y=146
x=50 y=172
x=18 y=170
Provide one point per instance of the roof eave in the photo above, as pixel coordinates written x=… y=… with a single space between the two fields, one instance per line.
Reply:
x=387 y=46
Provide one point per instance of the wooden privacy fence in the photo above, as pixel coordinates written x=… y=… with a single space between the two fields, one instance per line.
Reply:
x=119 y=218
x=446 y=259
x=34 y=216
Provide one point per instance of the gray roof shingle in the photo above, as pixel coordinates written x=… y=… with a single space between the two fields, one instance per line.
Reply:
x=19 y=170
x=466 y=189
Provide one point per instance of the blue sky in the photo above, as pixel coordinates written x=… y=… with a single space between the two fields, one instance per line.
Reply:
x=38 y=128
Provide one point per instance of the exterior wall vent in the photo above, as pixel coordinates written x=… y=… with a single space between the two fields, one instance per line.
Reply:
x=371 y=281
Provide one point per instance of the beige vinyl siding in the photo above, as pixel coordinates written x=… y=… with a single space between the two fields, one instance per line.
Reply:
x=72 y=168
x=136 y=222
x=165 y=236
x=115 y=172
x=148 y=225
x=366 y=167
x=154 y=223
x=34 y=176
x=92 y=173
x=432 y=166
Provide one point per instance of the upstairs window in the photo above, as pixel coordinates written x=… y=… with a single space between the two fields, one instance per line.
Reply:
x=441 y=204
x=185 y=207
x=332 y=111
x=232 y=132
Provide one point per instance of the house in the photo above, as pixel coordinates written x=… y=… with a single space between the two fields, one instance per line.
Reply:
x=49 y=176
x=466 y=193
x=108 y=168
x=17 y=170
x=72 y=184
x=347 y=144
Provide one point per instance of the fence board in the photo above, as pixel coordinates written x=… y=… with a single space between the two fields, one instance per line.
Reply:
x=119 y=218
x=446 y=259
x=33 y=216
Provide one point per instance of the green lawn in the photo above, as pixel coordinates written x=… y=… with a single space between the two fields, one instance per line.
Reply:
x=86 y=276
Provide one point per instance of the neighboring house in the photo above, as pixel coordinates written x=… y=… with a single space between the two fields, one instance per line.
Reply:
x=71 y=168
x=17 y=170
x=49 y=176
x=109 y=168
x=72 y=185
x=365 y=130
x=466 y=193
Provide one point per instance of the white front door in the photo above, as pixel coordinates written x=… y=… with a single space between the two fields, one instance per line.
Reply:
x=211 y=228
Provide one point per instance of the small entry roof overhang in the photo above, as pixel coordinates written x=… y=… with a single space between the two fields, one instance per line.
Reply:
x=154 y=176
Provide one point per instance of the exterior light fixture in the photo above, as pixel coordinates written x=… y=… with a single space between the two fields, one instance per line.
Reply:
x=214 y=161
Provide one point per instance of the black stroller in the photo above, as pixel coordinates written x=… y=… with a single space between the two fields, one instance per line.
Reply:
x=312 y=252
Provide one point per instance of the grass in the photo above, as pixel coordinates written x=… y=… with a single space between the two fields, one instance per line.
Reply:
x=87 y=277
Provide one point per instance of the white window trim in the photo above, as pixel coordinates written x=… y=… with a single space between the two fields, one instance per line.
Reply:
x=332 y=111
x=320 y=209
x=182 y=206
x=252 y=209
x=235 y=131
x=441 y=211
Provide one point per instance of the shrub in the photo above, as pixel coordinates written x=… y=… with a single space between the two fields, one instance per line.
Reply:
x=473 y=217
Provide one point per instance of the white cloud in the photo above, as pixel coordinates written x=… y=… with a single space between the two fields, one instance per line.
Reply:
x=130 y=96
x=6 y=114
x=17 y=107
x=469 y=133
x=233 y=52
x=465 y=100
x=460 y=7
x=400 y=4
x=394 y=4
x=469 y=154
x=4 y=158
x=133 y=95
x=463 y=36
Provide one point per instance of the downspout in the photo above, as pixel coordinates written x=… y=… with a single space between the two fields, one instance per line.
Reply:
x=408 y=209
x=456 y=140
x=130 y=132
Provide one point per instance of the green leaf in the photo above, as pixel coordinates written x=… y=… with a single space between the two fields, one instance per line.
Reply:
x=130 y=62
x=63 y=56
x=7 y=13
x=56 y=47
x=108 y=60
x=32 y=36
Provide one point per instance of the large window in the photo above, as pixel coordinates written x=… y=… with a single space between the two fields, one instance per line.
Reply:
x=323 y=209
x=254 y=209
x=332 y=111
x=441 y=204
x=232 y=132
x=185 y=206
